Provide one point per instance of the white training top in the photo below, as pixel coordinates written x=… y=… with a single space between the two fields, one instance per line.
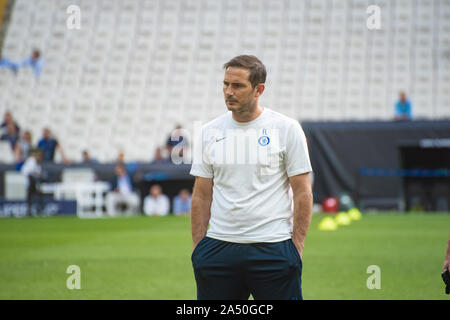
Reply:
x=250 y=163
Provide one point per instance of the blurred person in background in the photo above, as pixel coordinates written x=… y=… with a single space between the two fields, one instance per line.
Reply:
x=156 y=203
x=33 y=171
x=48 y=144
x=86 y=158
x=122 y=193
x=8 y=118
x=159 y=158
x=403 y=108
x=34 y=62
x=11 y=135
x=23 y=148
x=121 y=157
x=182 y=203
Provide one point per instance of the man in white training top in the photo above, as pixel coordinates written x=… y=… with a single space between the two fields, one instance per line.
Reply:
x=246 y=238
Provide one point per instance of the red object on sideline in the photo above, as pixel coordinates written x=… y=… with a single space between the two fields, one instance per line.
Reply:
x=330 y=204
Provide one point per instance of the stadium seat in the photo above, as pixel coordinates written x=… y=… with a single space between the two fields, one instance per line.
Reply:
x=6 y=154
x=15 y=185
x=171 y=52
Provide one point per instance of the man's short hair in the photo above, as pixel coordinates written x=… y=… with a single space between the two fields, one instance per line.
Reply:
x=257 y=70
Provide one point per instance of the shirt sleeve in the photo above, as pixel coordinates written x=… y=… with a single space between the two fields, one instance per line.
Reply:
x=200 y=167
x=297 y=156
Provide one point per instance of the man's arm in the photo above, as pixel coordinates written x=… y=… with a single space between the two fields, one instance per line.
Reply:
x=303 y=201
x=18 y=152
x=201 y=208
x=63 y=155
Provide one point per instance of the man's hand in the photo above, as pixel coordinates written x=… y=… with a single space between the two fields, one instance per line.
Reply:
x=446 y=264
x=194 y=245
x=299 y=245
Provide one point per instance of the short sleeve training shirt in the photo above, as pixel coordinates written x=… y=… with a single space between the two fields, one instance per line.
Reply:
x=250 y=164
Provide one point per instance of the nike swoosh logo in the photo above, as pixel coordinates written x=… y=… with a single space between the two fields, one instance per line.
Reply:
x=219 y=139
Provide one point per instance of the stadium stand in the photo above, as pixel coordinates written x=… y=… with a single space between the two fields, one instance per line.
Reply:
x=138 y=67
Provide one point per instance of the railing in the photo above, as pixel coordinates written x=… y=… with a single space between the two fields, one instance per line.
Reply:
x=89 y=195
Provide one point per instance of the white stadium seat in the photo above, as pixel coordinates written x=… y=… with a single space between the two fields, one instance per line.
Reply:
x=158 y=62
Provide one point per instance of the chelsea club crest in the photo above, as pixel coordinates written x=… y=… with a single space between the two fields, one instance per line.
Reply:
x=264 y=141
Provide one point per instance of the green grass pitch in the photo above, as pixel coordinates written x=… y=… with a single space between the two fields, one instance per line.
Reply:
x=149 y=258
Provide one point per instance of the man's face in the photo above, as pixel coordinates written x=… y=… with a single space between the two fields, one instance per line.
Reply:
x=35 y=55
x=38 y=156
x=27 y=136
x=238 y=92
x=184 y=195
x=155 y=191
x=8 y=117
x=46 y=133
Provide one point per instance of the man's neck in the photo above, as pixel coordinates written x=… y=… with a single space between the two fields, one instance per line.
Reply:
x=249 y=115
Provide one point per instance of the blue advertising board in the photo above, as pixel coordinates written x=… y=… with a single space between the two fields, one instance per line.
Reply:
x=46 y=208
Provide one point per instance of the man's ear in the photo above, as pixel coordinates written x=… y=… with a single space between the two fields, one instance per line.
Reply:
x=259 y=89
